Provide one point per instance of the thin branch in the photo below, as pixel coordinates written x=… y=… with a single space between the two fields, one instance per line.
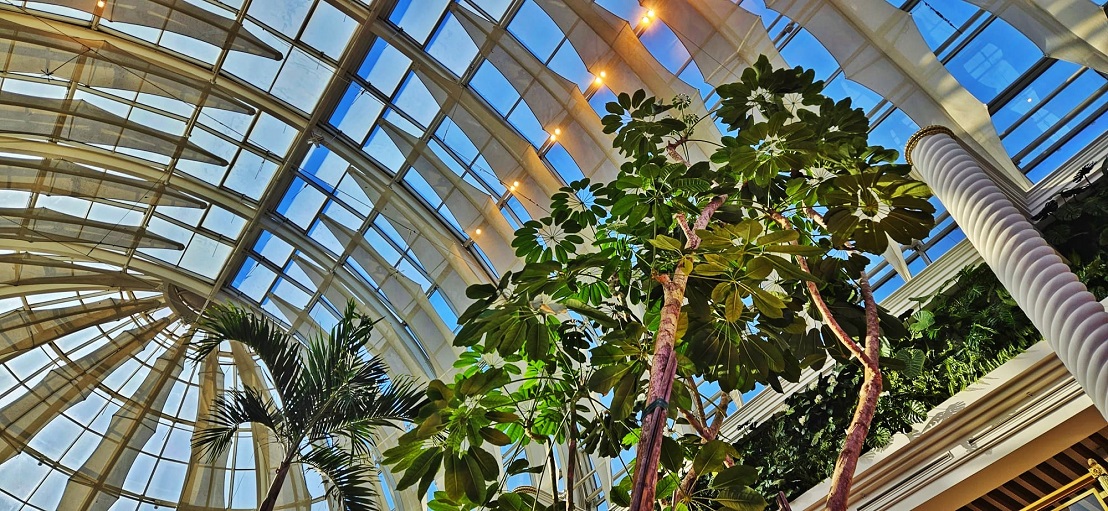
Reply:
x=700 y=428
x=697 y=398
x=690 y=234
x=720 y=414
x=708 y=211
x=821 y=305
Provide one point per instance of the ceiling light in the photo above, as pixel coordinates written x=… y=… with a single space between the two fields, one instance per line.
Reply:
x=100 y=4
x=477 y=232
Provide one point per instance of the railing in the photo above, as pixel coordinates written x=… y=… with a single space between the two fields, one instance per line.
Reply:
x=1086 y=493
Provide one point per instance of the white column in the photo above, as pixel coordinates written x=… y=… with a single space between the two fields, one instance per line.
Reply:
x=205 y=483
x=1069 y=317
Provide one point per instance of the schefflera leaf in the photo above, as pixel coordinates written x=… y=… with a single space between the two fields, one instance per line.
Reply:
x=868 y=208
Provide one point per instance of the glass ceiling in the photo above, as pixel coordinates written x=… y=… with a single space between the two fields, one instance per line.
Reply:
x=295 y=154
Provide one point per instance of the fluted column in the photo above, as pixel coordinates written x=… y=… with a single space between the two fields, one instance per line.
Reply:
x=1069 y=316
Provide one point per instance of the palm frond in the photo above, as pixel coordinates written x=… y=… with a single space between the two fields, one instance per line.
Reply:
x=372 y=405
x=351 y=477
x=353 y=330
x=277 y=350
x=399 y=401
x=356 y=435
x=228 y=412
x=336 y=371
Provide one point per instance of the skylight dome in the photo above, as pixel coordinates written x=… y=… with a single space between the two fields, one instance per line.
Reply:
x=292 y=155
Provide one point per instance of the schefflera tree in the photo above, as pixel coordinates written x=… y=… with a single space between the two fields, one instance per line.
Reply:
x=741 y=270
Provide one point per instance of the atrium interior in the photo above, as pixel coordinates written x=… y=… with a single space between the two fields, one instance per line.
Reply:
x=159 y=156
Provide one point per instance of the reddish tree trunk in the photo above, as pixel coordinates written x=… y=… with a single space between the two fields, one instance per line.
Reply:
x=662 y=373
x=855 y=440
x=869 y=356
x=868 y=395
x=663 y=369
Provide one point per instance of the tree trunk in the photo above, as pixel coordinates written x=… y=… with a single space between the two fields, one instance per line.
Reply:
x=571 y=459
x=663 y=368
x=662 y=373
x=278 y=481
x=855 y=439
x=863 y=414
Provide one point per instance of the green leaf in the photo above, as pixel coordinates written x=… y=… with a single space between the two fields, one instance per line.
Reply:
x=475 y=487
x=437 y=390
x=711 y=456
x=427 y=461
x=734 y=476
x=605 y=378
x=778 y=237
x=431 y=425
x=673 y=456
x=489 y=467
x=741 y=499
x=498 y=416
x=429 y=477
x=495 y=436
x=623 y=400
x=457 y=478
x=667 y=243
x=733 y=307
x=804 y=250
x=537 y=342
x=518 y=466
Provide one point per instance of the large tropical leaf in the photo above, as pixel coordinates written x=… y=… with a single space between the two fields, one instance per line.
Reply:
x=231 y=410
x=277 y=350
x=351 y=477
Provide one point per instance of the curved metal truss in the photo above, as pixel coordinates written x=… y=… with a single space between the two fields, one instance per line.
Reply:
x=291 y=155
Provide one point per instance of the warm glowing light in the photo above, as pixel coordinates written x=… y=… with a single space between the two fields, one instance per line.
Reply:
x=100 y=4
x=477 y=232
x=650 y=13
x=600 y=78
x=515 y=184
x=557 y=131
x=645 y=20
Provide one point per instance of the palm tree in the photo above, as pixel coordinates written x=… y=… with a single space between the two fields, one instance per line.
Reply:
x=332 y=398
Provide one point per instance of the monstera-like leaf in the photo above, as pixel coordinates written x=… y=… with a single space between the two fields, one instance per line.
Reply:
x=836 y=124
x=870 y=207
x=632 y=119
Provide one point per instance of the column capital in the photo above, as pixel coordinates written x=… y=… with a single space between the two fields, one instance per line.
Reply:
x=923 y=132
